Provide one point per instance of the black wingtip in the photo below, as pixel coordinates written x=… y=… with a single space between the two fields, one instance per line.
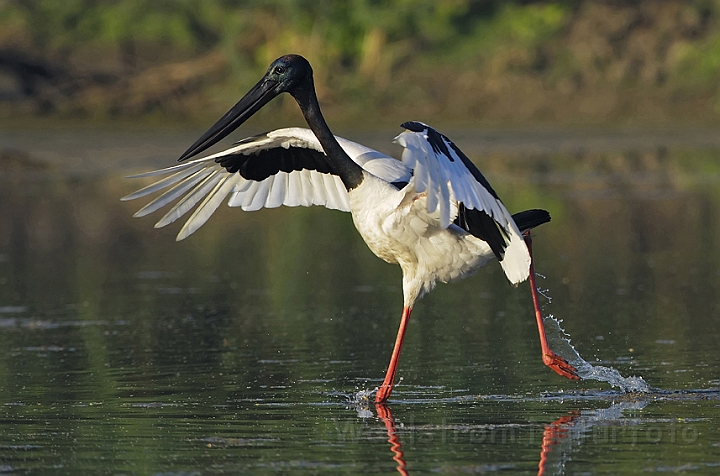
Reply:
x=414 y=126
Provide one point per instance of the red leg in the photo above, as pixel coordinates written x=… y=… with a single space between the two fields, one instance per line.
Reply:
x=550 y=358
x=387 y=385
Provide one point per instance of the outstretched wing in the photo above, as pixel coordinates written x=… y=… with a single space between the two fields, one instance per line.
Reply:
x=281 y=167
x=446 y=175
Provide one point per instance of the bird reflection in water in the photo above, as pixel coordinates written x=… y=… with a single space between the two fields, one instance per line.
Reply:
x=564 y=436
x=552 y=435
x=560 y=439
x=385 y=415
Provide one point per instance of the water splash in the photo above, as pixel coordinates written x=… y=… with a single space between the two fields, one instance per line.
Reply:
x=361 y=401
x=364 y=396
x=560 y=343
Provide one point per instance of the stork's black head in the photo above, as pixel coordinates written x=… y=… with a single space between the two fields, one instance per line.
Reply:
x=289 y=73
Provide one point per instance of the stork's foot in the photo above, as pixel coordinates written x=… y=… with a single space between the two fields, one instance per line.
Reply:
x=560 y=365
x=382 y=394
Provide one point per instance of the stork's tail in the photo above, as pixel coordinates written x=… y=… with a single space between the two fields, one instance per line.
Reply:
x=529 y=219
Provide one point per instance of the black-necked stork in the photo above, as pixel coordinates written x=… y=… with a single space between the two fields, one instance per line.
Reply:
x=433 y=213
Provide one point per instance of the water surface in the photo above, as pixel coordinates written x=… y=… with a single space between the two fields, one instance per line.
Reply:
x=242 y=348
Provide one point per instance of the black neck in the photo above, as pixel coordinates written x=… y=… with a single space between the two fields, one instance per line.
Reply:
x=349 y=172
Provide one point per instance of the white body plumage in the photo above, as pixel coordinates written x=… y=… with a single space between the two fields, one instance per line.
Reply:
x=397 y=228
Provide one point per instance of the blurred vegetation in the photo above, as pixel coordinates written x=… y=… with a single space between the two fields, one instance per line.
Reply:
x=453 y=60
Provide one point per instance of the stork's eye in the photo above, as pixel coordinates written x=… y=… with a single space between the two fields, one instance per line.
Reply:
x=279 y=70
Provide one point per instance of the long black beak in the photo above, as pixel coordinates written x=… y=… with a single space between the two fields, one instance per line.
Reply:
x=260 y=94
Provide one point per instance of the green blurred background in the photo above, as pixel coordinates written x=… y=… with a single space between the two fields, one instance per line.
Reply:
x=487 y=62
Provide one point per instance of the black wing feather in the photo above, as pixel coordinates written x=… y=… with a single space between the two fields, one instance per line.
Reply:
x=266 y=162
x=481 y=225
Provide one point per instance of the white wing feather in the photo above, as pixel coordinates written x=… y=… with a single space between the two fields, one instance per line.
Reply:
x=191 y=199
x=206 y=208
x=205 y=180
x=445 y=179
